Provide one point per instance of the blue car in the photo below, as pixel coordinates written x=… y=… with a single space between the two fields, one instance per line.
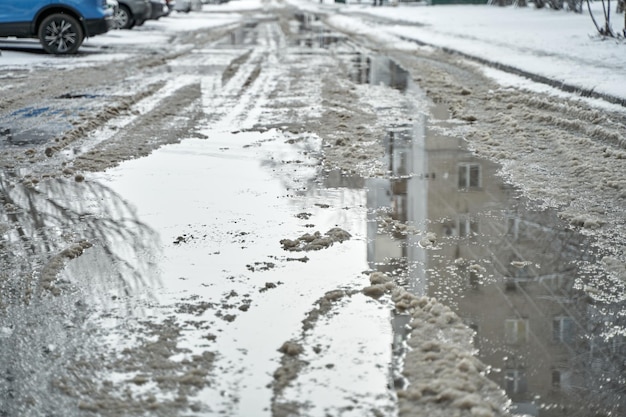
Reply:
x=60 y=25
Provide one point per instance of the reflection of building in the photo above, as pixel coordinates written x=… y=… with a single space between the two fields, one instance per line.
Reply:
x=378 y=70
x=508 y=272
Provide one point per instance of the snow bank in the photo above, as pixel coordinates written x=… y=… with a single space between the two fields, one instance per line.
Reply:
x=444 y=376
x=558 y=45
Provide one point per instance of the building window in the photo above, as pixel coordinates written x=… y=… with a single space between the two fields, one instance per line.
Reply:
x=469 y=176
x=563 y=329
x=617 y=345
x=516 y=331
x=515 y=381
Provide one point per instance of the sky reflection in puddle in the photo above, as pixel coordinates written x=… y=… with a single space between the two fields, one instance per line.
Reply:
x=221 y=207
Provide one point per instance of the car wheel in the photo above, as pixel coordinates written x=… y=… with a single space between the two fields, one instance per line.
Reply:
x=60 y=34
x=123 y=18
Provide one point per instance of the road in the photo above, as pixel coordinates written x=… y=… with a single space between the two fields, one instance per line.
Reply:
x=276 y=217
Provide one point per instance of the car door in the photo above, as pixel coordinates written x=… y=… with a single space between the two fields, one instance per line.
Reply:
x=16 y=16
x=20 y=11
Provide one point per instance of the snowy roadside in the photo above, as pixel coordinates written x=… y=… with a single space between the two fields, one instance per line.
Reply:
x=558 y=47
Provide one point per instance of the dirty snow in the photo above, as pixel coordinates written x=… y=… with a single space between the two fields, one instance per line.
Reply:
x=562 y=46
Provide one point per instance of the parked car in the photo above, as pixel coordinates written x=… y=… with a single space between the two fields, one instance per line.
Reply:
x=187 y=6
x=159 y=9
x=61 y=27
x=132 y=13
x=112 y=5
x=170 y=4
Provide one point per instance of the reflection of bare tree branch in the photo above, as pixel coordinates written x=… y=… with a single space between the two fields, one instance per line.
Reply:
x=64 y=246
x=46 y=224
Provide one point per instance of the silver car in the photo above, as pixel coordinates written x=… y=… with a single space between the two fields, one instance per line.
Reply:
x=132 y=13
x=187 y=6
x=159 y=9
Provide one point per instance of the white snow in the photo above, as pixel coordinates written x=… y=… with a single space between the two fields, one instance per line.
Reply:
x=560 y=45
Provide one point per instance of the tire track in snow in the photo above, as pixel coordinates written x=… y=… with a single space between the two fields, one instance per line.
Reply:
x=237 y=105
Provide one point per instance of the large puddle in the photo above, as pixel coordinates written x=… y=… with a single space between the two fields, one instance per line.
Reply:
x=222 y=207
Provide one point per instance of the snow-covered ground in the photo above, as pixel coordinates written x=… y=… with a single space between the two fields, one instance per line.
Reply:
x=560 y=45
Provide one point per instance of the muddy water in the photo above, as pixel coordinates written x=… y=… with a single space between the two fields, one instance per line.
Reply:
x=445 y=225
x=516 y=276
x=221 y=207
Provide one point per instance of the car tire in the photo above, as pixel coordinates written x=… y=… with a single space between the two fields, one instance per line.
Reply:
x=123 y=18
x=60 y=34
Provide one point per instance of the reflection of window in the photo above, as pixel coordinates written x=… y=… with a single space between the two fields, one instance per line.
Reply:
x=470 y=275
x=556 y=282
x=617 y=345
x=520 y=271
x=400 y=161
x=515 y=381
x=512 y=228
x=474 y=278
x=561 y=378
x=563 y=329
x=399 y=207
x=516 y=331
x=467 y=226
x=476 y=339
x=469 y=176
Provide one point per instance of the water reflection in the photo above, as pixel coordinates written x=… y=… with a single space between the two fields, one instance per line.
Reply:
x=312 y=34
x=379 y=70
x=20 y=128
x=513 y=274
x=40 y=222
x=445 y=225
x=66 y=249
x=244 y=35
